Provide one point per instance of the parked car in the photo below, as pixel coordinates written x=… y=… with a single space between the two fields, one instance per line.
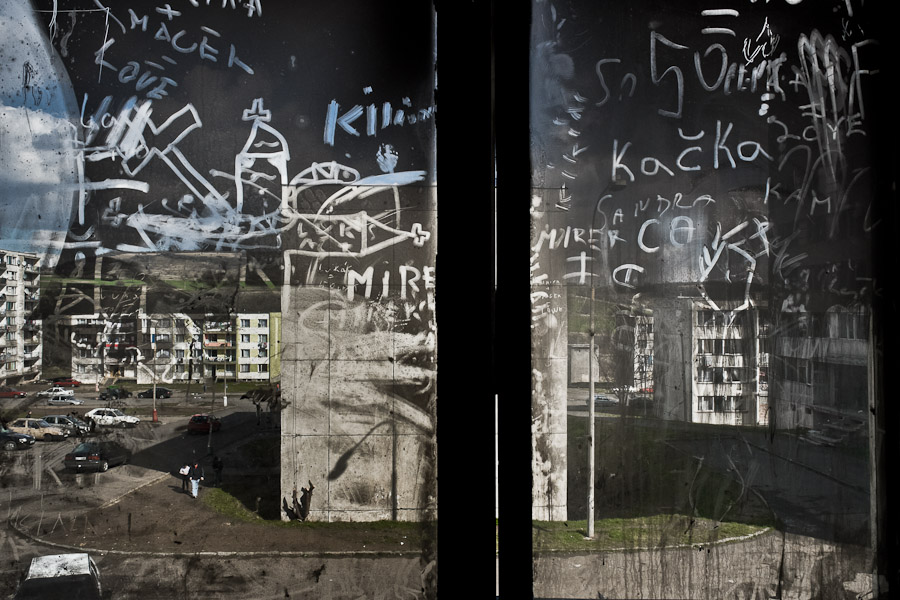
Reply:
x=55 y=391
x=8 y=392
x=200 y=424
x=61 y=577
x=161 y=392
x=65 y=400
x=97 y=454
x=111 y=417
x=73 y=425
x=39 y=429
x=641 y=405
x=65 y=382
x=114 y=392
x=10 y=440
x=604 y=399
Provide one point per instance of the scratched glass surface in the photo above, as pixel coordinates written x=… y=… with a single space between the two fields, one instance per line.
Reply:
x=228 y=208
x=705 y=203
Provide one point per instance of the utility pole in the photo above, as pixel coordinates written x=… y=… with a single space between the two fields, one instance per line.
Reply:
x=590 y=498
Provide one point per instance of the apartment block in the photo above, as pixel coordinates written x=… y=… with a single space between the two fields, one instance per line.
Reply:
x=20 y=344
x=730 y=365
x=175 y=347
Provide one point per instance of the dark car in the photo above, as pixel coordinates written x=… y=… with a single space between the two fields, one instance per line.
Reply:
x=66 y=382
x=73 y=425
x=641 y=405
x=200 y=424
x=161 y=392
x=10 y=440
x=96 y=454
x=115 y=392
x=8 y=392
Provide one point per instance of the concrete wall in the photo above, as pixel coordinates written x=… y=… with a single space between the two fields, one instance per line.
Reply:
x=358 y=391
x=768 y=566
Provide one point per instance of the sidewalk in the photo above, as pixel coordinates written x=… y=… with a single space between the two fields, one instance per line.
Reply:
x=158 y=518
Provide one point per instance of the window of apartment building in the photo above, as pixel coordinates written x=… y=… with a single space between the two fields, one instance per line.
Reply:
x=11 y=366
x=179 y=354
x=720 y=404
x=164 y=323
x=179 y=323
x=245 y=368
x=10 y=306
x=710 y=318
x=245 y=354
x=797 y=369
x=179 y=338
x=733 y=346
x=263 y=323
x=263 y=353
x=263 y=338
x=245 y=322
x=245 y=338
x=10 y=260
x=720 y=346
x=706 y=346
x=720 y=374
x=848 y=325
x=263 y=368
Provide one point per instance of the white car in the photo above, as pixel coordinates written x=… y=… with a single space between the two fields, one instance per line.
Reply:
x=56 y=392
x=39 y=429
x=61 y=576
x=64 y=400
x=111 y=417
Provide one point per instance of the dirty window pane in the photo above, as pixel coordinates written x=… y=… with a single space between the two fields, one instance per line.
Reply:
x=707 y=184
x=223 y=208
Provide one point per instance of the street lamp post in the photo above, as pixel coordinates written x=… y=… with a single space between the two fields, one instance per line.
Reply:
x=212 y=406
x=590 y=498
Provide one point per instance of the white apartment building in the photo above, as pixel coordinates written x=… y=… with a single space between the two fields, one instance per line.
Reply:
x=20 y=344
x=253 y=349
x=175 y=347
x=730 y=359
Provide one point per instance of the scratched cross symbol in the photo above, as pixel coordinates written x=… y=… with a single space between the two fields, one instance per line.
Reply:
x=146 y=140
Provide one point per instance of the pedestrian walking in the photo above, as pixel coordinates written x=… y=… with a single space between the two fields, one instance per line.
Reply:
x=217 y=469
x=196 y=475
x=185 y=471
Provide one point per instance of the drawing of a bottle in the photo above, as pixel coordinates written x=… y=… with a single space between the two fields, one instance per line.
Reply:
x=260 y=168
x=39 y=160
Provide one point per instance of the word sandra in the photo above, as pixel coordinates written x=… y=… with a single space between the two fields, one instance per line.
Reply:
x=692 y=158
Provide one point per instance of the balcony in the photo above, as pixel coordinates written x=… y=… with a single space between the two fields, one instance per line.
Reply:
x=218 y=326
x=218 y=344
x=225 y=358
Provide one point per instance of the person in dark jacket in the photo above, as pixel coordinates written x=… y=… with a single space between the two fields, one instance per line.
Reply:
x=196 y=476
